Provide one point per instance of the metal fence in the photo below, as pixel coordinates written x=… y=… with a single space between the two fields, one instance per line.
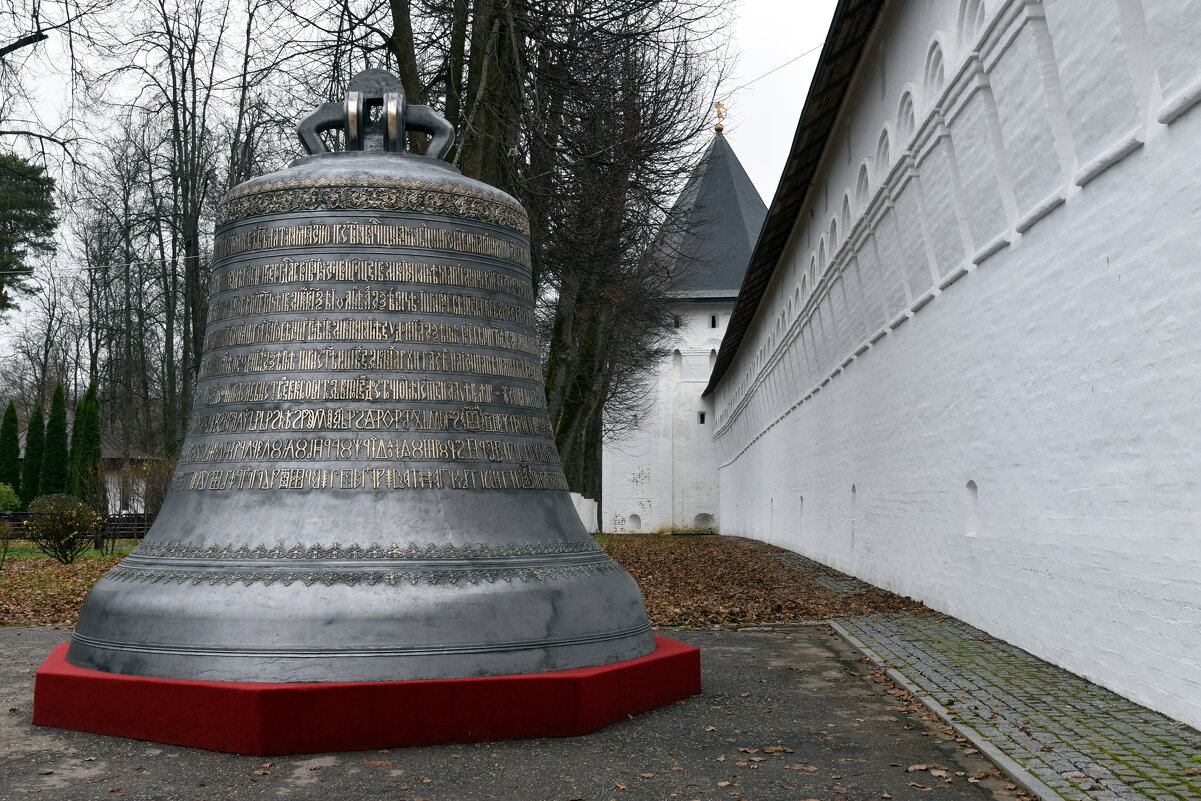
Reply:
x=116 y=527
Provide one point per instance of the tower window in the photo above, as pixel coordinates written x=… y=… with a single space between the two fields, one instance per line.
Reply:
x=676 y=321
x=700 y=418
x=713 y=321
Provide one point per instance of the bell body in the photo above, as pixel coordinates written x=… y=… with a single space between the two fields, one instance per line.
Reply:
x=369 y=488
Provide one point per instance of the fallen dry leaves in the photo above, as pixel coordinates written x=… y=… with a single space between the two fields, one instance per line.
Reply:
x=41 y=592
x=721 y=581
x=686 y=581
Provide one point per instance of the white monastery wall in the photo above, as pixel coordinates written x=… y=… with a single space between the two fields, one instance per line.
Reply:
x=663 y=471
x=976 y=379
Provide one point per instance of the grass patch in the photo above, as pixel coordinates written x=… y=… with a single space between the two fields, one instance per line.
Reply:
x=26 y=549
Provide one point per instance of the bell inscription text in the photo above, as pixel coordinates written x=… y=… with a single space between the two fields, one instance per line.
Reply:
x=444 y=352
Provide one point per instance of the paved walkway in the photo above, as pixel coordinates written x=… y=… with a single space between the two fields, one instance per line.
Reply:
x=787 y=715
x=1081 y=740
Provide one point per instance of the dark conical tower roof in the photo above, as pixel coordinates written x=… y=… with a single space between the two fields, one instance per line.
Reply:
x=714 y=225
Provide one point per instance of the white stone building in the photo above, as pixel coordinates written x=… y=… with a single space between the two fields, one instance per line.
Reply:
x=662 y=473
x=964 y=364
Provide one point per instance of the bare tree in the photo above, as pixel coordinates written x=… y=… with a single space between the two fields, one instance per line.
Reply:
x=49 y=29
x=588 y=111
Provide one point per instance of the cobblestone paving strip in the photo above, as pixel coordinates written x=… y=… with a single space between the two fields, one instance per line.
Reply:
x=1083 y=741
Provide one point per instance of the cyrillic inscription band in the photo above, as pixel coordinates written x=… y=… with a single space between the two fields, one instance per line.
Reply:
x=468 y=418
x=369 y=478
x=368 y=271
x=367 y=299
x=269 y=332
x=392 y=358
x=364 y=388
x=404 y=299
x=368 y=234
x=319 y=449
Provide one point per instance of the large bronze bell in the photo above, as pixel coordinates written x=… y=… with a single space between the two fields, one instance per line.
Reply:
x=369 y=488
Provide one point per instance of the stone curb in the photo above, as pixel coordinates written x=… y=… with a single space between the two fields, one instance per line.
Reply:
x=1013 y=769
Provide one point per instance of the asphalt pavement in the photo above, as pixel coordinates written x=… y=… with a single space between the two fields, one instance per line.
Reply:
x=789 y=714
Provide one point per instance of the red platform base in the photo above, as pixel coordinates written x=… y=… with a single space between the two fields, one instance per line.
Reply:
x=310 y=717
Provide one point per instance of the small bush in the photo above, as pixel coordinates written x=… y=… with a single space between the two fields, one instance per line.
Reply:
x=9 y=502
x=62 y=527
x=686 y=531
x=7 y=532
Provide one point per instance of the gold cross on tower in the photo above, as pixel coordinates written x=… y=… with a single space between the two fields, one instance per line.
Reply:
x=721 y=115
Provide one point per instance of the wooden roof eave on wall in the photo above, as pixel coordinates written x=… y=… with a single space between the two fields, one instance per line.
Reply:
x=850 y=29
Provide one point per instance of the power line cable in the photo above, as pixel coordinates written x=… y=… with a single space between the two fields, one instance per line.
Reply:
x=795 y=58
x=107 y=266
x=777 y=69
x=749 y=83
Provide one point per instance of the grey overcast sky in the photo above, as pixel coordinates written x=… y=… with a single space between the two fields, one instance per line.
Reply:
x=761 y=118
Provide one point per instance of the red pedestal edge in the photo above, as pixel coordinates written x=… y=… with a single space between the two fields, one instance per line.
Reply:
x=310 y=717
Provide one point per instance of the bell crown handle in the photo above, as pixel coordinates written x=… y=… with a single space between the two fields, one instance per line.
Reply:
x=352 y=115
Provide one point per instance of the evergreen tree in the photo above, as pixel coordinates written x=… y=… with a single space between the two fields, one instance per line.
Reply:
x=27 y=222
x=77 y=419
x=10 y=449
x=35 y=445
x=53 y=479
x=86 y=480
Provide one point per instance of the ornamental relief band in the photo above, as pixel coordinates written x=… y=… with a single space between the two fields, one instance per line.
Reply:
x=363 y=388
x=312 y=299
x=392 y=358
x=468 y=449
x=361 y=194
x=371 y=233
x=468 y=418
x=367 y=271
x=270 y=332
x=370 y=478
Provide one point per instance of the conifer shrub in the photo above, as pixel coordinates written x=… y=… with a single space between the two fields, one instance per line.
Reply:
x=10 y=449
x=35 y=441
x=9 y=500
x=85 y=473
x=62 y=527
x=9 y=503
x=53 y=479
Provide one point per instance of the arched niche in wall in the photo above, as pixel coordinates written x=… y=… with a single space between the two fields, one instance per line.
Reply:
x=883 y=157
x=634 y=523
x=703 y=520
x=905 y=119
x=862 y=190
x=971 y=23
x=677 y=365
x=845 y=215
x=935 y=73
